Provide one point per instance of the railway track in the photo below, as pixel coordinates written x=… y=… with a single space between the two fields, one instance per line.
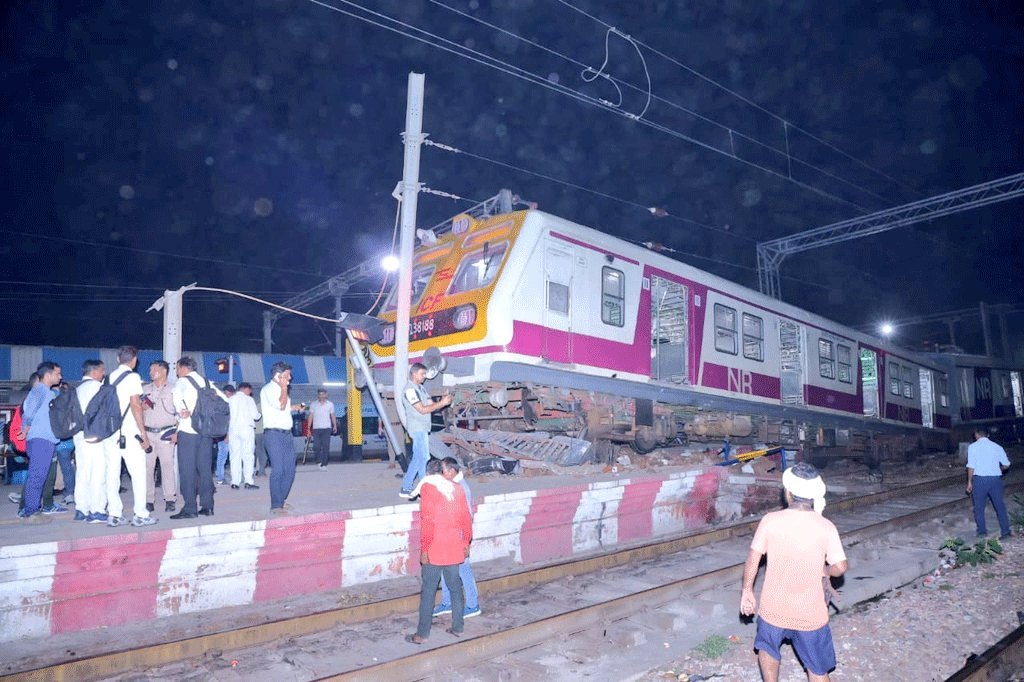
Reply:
x=615 y=597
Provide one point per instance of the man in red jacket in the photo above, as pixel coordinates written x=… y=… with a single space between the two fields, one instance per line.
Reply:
x=446 y=529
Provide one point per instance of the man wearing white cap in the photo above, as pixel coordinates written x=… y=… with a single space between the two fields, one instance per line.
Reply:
x=804 y=550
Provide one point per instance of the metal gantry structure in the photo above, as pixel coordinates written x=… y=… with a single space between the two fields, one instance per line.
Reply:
x=339 y=285
x=770 y=254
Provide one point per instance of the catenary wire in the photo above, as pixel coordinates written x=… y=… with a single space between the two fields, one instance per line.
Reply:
x=616 y=82
x=512 y=70
x=750 y=102
x=163 y=254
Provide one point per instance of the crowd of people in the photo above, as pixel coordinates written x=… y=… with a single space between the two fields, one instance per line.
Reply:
x=156 y=442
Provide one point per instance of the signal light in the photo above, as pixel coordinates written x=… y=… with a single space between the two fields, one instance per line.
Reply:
x=222 y=365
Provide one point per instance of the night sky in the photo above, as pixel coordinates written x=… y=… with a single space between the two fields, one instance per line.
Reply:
x=253 y=145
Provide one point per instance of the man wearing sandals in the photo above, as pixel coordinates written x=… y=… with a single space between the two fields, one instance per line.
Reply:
x=446 y=530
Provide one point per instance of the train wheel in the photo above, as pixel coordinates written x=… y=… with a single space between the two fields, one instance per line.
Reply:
x=645 y=440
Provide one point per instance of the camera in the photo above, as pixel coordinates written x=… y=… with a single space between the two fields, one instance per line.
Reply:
x=121 y=442
x=139 y=438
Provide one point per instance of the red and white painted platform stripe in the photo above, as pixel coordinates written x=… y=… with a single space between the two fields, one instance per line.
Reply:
x=77 y=585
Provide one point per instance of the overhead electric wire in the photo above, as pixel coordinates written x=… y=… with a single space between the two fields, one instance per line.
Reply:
x=611 y=197
x=447 y=45
x=732 y=131
x=752 y=103
x=163 y=254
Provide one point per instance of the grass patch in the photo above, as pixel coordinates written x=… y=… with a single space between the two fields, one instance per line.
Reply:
x=712 y=647
x=945 y=587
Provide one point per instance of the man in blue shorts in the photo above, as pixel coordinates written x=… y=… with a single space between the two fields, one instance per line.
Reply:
x=804 y=551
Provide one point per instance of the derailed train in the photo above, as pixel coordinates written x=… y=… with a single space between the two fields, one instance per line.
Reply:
x=542 y=326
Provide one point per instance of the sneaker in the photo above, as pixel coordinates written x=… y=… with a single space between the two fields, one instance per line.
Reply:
x=251 y=486
x=407 y=494
x=442 y=609
x=149 y=521
x=33 y=518
x=79 y=516
x=234 y=486
x=323 y=466
x=221 y=481
x=170 y=506
x=97 y=517
x=14 y=497
x=114 y=521
x=471 y=611
x=69 y=499
x=55 y=509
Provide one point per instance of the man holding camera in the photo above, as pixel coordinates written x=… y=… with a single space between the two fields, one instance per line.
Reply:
x=129 y=444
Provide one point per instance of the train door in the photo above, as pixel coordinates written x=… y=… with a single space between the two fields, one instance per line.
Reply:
x=669 y=330
x=1018 y=397
x=556 y=342
x=927 y=398
x=791 y=362
x=869 y=382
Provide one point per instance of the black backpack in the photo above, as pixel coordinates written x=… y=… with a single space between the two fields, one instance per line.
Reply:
x=103 y=416
x=66 y=416
x=211 y=415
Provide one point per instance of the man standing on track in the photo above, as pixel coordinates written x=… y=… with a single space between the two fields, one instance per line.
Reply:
x=446 y=531
x=986 y=462
x=803 y=550
x=277 y=434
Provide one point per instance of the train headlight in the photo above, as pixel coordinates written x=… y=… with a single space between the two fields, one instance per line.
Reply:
x=464 y=317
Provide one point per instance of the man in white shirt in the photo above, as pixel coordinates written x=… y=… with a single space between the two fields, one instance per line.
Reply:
x=324 y=424
x=90 y=461
x=195 y=452
x=277 y=434
x=986 y=462
x=128 y=444
x=242 y=435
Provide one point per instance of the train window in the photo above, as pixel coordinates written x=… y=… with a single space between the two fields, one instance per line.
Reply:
x=826 y=359
x=845 y=364
x=753 y=337
x=558 y=297
x=943 y=390
x=725 y=329
x=478 y=269
x=908 y=388
x=613 y=296
x=1006 y=385
x=421 y=277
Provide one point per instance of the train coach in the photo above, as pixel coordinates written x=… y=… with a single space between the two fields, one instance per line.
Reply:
x=542 y=326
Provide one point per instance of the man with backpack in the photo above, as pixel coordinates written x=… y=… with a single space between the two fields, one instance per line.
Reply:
x=195 y=442
x=91 y=470
x=39 y=439
x=129 y=443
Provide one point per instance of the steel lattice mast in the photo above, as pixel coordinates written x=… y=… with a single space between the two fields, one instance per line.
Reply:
x=770 y=254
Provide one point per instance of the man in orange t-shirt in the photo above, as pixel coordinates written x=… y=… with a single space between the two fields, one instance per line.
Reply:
x=446 y=530
x=804 y=550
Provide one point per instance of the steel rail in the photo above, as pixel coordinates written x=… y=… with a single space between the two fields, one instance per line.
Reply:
x=120 y=661
x=998 y=663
